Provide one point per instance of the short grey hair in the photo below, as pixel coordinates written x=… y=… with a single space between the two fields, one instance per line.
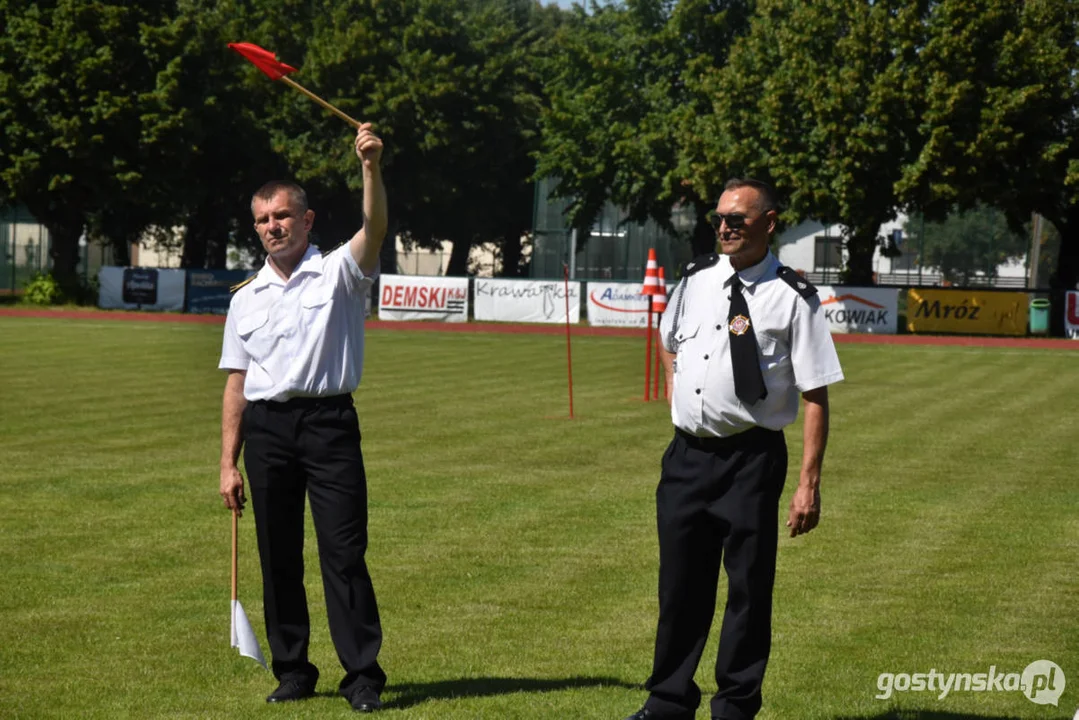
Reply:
x=768 y=201
x=270 y=189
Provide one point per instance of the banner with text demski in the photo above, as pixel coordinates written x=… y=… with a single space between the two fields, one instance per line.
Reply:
x=617 y=304
x=140 y=288
x=970 y=312
x=1071 y=315
x=540 y=301
x=418 y=297
x=860 y=309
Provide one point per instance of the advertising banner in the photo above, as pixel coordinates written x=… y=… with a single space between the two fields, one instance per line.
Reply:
x=541 y=301
x=417 y=297
x=618 y=305
x=140 y=288
x=969 y=312
x=209 y=291
x=1071 y=315
x=859 y=309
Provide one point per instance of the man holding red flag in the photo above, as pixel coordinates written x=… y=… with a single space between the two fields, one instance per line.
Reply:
x=293 y=348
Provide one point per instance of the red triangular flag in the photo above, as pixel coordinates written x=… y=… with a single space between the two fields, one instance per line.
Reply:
x=264 y=60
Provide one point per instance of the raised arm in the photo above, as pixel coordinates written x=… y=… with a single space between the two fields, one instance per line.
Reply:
x=366 y=243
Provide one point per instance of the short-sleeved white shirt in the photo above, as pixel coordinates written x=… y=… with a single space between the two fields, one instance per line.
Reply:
x=303 y=337
x=796 y=349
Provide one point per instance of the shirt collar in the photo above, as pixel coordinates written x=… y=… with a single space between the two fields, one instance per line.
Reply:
x=752 y=274
x=310 y=263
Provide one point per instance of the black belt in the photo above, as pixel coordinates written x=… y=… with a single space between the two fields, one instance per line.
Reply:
x=756 y=436
x=332 y=401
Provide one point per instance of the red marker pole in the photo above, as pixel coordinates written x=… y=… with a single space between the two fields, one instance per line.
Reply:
x=569 y=355
x=655 y=386
x=648 y=351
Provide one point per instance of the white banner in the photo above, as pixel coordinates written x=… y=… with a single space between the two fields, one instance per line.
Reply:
x=418 y=297
x=618 y=305
x=542 y=301
x=1071 y=315
x=859 y=309
x=140 y=288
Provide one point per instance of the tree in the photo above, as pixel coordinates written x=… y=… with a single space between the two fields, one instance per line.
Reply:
x=449 y=86
x=966 y=244
x=71 y=77
x=1001 y=118
x=623 y=121
x=818 y=98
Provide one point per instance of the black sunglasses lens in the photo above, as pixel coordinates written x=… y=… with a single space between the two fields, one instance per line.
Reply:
x=734 y=220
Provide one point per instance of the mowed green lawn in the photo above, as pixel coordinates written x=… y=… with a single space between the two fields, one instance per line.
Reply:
x=513 y=550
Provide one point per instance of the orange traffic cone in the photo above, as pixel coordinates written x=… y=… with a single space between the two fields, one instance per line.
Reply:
x=659 y=300
x=651 y=275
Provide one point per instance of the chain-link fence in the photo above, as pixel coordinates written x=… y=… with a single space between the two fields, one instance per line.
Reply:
x=615 y=249
x=24 y=251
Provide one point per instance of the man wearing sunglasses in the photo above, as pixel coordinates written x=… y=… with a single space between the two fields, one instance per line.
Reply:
x=742 y=339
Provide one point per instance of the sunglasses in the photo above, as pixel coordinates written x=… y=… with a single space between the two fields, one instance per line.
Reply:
x=735 y=221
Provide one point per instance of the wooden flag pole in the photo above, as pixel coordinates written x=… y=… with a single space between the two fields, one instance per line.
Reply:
x=351 y=120
x=235 y=552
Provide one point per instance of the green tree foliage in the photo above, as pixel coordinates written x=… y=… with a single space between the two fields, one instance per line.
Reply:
x=72 y=78
x=966 y=244
x=1001 y=116
x=448 y=85
x=626 y=115
x=819 y=98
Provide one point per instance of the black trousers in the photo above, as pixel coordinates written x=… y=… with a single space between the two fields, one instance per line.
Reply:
x=717 y=499
x=312 y=446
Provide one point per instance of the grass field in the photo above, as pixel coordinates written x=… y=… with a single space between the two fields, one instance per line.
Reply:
x=513 y=550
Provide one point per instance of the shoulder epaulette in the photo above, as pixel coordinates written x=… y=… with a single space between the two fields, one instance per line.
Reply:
x=240 y=284
x=700 y=263
x=335 y=247
x=801 y=286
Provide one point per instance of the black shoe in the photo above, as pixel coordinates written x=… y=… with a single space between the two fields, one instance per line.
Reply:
x=290 y=690
x=365 y=699
x=646 y=714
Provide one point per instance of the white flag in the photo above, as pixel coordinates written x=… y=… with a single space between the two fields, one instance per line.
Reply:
x=243 y=636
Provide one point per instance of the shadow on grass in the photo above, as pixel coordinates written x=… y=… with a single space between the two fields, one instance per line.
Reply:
x=926 y=715
x=410 y=694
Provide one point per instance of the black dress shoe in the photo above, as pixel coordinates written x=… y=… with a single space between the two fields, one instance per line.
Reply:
x=365 y=699
x=646 y=714
x=290 y=690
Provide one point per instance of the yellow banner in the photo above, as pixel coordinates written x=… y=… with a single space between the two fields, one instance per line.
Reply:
x=969 y=312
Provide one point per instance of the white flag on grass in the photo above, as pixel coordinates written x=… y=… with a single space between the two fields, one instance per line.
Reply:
x=243 y=636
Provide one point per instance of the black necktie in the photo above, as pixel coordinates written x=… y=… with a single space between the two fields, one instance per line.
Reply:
x=748 y=379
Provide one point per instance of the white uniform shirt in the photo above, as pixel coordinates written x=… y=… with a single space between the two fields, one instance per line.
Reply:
x=795 y=349
x=301 y=338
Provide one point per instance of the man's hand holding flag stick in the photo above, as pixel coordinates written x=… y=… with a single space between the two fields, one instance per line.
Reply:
x=267 y=62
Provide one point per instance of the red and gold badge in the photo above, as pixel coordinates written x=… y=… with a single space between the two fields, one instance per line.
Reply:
x=739 y=325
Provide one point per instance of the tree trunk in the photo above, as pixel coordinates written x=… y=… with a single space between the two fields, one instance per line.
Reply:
x=64 y=234
x=194 y=252
x=1066 y=276
x=704 y=235
x=511 y=255
x=459 y=258
x=861 y=245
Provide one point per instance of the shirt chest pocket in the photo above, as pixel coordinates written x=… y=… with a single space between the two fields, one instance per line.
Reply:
x=687 y=339
x=317 y=300
x=772 y=350
x=254 y=333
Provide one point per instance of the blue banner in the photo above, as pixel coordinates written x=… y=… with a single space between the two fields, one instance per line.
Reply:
x=208 y=290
